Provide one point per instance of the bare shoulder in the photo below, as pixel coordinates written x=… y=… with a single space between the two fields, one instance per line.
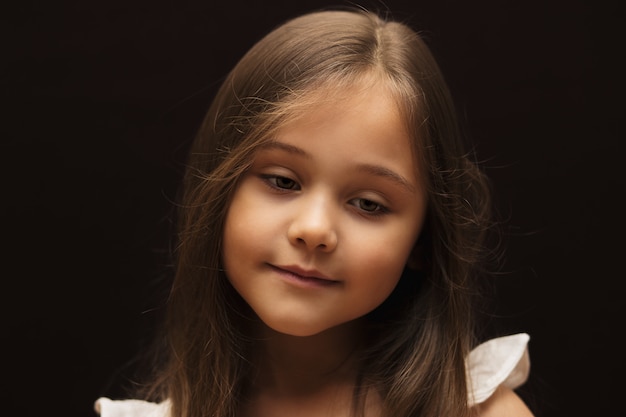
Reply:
x=504 y=402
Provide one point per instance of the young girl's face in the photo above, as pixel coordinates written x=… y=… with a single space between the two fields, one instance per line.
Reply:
x=320 y=229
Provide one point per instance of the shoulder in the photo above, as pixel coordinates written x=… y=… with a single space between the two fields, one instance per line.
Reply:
x=106 y=407
x=495 y=368
x=503 y=402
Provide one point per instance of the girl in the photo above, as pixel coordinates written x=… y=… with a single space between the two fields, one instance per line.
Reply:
x=330 y=232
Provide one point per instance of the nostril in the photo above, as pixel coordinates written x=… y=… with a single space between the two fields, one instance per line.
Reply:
x=312 y=245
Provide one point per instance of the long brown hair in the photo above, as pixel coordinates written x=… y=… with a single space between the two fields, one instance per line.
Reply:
x=421 y=335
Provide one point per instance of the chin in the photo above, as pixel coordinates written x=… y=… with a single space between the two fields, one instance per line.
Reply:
x=296 y=330
x=307 y=329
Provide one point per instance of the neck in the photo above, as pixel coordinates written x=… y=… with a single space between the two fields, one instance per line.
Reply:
x=294 y=365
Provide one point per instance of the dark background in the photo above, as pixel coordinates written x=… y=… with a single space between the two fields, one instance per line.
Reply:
x=100 y=99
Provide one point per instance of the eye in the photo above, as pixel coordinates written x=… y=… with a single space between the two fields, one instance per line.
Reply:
x=280 y=182
x=368 y=206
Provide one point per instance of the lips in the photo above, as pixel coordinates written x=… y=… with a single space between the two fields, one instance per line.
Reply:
x=298 y=273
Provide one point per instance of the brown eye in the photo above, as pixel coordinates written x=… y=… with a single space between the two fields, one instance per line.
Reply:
x=279 y=182
x=368 y=206
x=286 y=183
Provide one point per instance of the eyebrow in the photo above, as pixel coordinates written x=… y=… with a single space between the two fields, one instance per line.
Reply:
x=285 y=147
x=387 y=173
x=376 y=170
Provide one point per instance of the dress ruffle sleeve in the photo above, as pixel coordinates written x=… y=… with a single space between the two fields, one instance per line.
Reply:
x=500 y=361
x=107 y=407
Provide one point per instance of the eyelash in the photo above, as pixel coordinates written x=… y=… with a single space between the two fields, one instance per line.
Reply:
x=273 y=181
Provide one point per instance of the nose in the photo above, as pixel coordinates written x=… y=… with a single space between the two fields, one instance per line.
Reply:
x=313 y=225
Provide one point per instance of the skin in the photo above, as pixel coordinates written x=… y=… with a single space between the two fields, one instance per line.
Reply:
x=316 y=236
x=334 y=196
x=504 y=403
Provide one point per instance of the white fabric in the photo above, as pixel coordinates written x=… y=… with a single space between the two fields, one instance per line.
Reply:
x=131 y=408
x=500 y=361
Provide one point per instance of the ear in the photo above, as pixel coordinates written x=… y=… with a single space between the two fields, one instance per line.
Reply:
x=416 y=259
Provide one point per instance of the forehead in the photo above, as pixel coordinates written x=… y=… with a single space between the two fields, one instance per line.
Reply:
x=321 y=103
x=362 y=104
x=360 y=126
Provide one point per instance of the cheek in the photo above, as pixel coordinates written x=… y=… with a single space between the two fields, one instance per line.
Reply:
x=248 y=229
x=383 y=261
x=234 y=236
x=392 y=250
x=380 y=269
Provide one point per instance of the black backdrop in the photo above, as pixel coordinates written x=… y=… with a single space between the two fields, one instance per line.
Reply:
x=100 y=99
